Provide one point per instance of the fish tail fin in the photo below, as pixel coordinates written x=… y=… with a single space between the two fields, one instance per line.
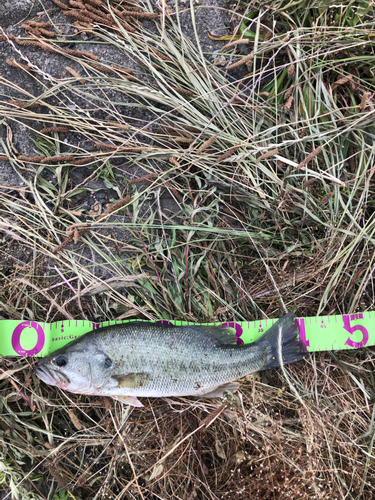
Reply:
x=283 y=336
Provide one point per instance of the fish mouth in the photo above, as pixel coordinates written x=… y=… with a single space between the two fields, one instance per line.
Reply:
x=51 y=377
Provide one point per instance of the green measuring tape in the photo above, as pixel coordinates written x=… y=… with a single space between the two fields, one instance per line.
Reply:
x=321 y=333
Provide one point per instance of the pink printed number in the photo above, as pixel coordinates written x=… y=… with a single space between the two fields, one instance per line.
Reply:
x=302 y=332
x=16 y=338
x=351 y=329
x=239 y=331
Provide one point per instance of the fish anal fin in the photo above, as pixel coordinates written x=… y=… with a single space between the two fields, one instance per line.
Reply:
x=131 y=380
x=219 y=391
x=130 y=400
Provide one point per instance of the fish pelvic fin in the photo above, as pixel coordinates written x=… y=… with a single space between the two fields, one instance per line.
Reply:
x=285 y=334
x=219 y=391
x=132 y=380
x=129 y=400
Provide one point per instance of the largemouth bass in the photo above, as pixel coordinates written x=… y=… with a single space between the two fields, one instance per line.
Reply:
x=143 y=359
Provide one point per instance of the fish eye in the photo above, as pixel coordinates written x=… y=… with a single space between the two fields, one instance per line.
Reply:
x=61 y=360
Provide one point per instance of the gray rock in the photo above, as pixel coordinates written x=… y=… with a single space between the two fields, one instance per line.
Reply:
x=12 y=12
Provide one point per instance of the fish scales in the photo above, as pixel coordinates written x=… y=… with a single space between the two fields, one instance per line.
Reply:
x=140 y=359
x=179 y=367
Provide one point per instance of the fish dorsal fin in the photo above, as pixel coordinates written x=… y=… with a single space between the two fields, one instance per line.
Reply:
x=218 y=335
x=132 y=380
x=129 y=400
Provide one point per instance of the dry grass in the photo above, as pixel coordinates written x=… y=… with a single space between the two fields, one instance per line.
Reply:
x=268 y=441
x=272 y=177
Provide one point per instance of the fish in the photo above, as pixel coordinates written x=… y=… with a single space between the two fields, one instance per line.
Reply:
x=145 y=359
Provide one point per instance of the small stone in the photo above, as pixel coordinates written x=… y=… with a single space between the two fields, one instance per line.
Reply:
x=100 y=194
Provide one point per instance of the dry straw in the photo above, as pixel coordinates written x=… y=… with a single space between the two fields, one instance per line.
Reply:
x=288 y=93
x=206 y=145
x=161 y=55
x=228 y=153
x=103 y=69
x=68 y=240
x=342 y=81
x=288 y=103
x=99 y=17
x=145 y=178
x=129 y=149
x=141 y=15
x=46 y=46
x=48 y=130
x=28 y=43
x=36 y=24
x=77 y=4
x=40 y=44
x=309 y=182
x=96 y=3
x=123 y=70
x=83 y=26
x=49 y=34
x=15 y=64
x=193 y=130
x=75 y=73
x=60 y=4
x=5 y=38
x=121 y=14
x=183 y=140
x=85 y=16
x=21 y=104
x=175 y=162
x=291 y=70
x=30 y=29
x=125 y=73
x=326 y=198
x=31 y=159
x=96 y=10
x=234 y=213
x=82 y=161
x=80 y=53
x=309 y=157
x=74 y=419
x=243 y=60
x=264 y=156
x=55 y=473
x=128 y=27
x=244 y=41
x=150 y=177
x=39 y=30
x=364 y=100
x=181 y=91
x=3 y=158
x=58 y=158
x=116 y=206
x=123 y=126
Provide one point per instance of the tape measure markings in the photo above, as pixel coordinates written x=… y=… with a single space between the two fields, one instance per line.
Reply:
x=342 y=331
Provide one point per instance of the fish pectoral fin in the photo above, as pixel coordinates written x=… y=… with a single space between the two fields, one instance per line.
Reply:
x=130 y=400
x=219 y=391
x=132 y=380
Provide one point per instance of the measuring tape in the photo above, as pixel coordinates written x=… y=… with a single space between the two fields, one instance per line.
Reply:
x=321 y=333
